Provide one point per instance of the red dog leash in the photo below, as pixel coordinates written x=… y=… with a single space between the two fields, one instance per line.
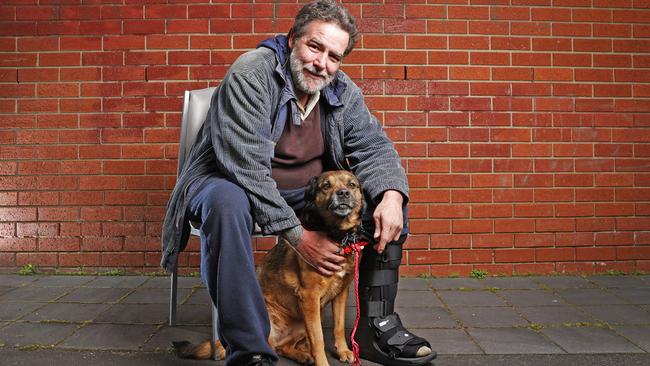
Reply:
x=355 y=247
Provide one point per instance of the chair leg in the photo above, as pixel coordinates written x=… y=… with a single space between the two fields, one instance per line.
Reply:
x=173 y=295
x=215 y=335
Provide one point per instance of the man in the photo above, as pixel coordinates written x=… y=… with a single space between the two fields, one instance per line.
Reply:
x=284 y=113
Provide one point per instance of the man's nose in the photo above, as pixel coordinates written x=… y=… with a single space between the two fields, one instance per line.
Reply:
x=320 y=62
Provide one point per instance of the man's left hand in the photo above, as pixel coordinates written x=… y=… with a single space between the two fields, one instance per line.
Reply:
x=389 y=219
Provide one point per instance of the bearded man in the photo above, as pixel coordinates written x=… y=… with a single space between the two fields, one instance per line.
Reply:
x=284 y=113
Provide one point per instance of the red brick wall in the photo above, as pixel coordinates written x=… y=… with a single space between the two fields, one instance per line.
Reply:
x=523 y=125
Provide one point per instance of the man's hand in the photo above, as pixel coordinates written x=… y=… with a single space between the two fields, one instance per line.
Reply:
x=320 y=252
x=389 y=219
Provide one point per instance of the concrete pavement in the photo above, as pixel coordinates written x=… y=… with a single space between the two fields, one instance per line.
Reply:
x=559 y=320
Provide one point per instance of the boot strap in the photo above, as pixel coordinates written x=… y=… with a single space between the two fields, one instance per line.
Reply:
x=382 y=277
x=372 y=309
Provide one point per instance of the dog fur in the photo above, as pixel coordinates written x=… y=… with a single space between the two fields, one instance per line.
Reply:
x=294 y=291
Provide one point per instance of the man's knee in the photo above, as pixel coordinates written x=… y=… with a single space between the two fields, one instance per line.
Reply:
x=223 y=197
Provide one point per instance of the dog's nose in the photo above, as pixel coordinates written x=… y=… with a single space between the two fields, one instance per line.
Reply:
x=343 y=193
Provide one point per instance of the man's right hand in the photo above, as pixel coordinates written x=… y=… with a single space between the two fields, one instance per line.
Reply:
x=322 y=253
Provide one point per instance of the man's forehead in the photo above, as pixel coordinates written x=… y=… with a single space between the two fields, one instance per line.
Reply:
x=327 y=34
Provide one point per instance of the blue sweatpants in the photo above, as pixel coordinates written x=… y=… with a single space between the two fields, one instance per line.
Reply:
x=228 y=268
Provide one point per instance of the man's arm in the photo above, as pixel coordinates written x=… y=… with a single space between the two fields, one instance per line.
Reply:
x=389 y=219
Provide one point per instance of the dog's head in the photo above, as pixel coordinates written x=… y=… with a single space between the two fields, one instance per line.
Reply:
x=334 y=201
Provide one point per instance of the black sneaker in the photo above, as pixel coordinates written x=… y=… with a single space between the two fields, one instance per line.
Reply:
x=259 y=360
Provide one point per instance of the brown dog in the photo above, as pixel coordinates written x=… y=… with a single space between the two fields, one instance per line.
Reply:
x=294 y=291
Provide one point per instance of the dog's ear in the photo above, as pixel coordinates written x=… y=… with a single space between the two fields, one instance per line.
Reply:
x=312 y=190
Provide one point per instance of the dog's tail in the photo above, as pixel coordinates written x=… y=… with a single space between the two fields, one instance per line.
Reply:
x=202 y=351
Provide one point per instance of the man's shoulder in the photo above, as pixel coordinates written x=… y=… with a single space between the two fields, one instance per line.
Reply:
x=259 y=59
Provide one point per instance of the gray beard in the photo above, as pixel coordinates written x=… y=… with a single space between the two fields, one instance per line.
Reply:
x=299 y=79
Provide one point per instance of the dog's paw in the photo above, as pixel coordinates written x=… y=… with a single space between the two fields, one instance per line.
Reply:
x=346 y=356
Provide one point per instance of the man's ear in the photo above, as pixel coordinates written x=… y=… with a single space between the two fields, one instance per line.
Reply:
x=290 y=38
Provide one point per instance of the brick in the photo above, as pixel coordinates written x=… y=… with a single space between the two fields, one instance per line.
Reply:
x=145 y=58
x=514 y=255
x=487 y=211
x=468 y=12
x=555 y=254
x=534 y=240
x=471 y=195
x=512 y=73
x=571 y=29
x=469 y=42
x=447 y=26
x=471 y=256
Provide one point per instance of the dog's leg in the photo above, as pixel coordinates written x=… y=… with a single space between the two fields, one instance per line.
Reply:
x=338 y=312
x=310 y=306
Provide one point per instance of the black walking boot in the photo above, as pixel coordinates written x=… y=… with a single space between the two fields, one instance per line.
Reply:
x=381 y=336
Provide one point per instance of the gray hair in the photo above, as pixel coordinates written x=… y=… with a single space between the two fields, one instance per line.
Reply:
x=329 y=11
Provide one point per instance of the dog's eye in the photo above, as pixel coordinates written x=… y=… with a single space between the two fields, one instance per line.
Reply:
x=326 y=185
x=352 y=184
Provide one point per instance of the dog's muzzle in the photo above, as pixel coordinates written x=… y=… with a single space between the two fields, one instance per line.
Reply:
x=342 y=203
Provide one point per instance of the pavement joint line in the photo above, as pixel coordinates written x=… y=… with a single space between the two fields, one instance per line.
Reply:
x=459 y=322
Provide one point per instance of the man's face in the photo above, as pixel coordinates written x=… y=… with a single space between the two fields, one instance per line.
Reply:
x=316 y=56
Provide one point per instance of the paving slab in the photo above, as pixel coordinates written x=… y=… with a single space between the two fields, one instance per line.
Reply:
x=563 y=282
x=16 y=310
x=109 y=336
x=634 y=296
x=17 y=280
x=449 y=341
x=161 y=340
x=589 y=340
x=639 y=335
x=416 y=299
x=413 y=284
x=479 y=317
x=531 y=298
x=5 y=289
x=618 y=281
x=45 y=334
x=581 y=296
x=154 y=296
x=117 y=281
x=512 y=341
x=456 y=283
x=510 y=283
x=135 y=314
x=90 y=295
x=76 y=313
x=31 y=294
x=194 y=314
x=553 y=315
x=198 y=296
x=165 y=282
x=61 y=281
x=471 y=298
x=429 y=317
x=618 y=314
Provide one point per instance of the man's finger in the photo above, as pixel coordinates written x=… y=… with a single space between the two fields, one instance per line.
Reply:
x=324 y=272
x=377 y=227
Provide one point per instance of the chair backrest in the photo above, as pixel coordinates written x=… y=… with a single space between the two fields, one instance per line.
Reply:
x=195 y=107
